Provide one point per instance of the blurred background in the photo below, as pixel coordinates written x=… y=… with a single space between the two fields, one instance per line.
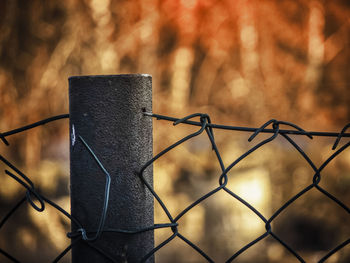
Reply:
x=243 y=62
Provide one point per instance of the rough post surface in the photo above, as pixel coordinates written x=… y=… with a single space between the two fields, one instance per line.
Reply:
x=107 y=112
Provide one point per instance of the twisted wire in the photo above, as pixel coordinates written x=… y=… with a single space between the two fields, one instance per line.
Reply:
x=33 y=194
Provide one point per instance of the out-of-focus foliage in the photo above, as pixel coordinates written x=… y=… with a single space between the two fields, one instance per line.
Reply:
x=242 y=62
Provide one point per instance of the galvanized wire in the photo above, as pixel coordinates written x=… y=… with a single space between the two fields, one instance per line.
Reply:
x=205 y=125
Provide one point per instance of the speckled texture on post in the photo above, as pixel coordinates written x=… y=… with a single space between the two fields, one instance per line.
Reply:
x=107 y=112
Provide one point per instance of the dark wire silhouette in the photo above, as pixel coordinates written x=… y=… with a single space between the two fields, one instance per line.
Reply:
x=205 y=125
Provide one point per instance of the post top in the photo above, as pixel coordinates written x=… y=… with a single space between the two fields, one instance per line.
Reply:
x=111 y=76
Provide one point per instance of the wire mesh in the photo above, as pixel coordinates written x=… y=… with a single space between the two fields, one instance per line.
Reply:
x=38 y=201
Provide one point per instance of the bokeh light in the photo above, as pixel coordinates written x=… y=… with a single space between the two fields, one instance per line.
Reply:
x=243 y=62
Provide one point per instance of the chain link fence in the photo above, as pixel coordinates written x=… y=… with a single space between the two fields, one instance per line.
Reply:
x=39 y=201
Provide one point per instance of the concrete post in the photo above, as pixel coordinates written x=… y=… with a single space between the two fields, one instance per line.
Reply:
x=107 y=112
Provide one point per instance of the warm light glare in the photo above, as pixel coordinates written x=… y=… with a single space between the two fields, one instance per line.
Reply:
x=241 y=62
x=254 y=187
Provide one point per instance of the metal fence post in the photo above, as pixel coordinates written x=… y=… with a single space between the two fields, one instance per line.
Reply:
x=106 y=111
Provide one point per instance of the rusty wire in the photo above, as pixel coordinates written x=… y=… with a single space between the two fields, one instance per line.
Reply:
x=205 y=125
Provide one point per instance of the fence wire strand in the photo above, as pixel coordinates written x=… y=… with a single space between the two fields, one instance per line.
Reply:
x=38 y=201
